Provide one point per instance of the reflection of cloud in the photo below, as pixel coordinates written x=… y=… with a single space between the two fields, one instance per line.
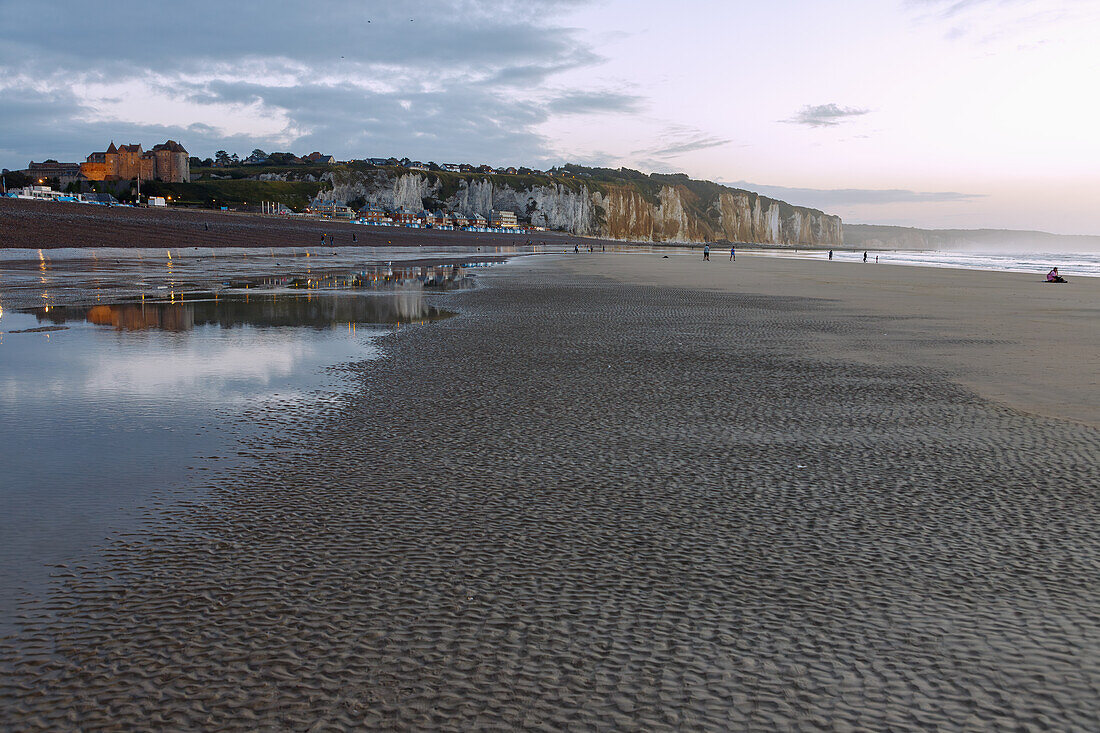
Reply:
x=827 y=197
x=824 y=115
x=210 y=364
x=152 y=370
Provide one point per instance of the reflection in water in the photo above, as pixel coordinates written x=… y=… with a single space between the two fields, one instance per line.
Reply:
x=378 y=277
x=134 y=400
x=46 y=277
x=253 y=310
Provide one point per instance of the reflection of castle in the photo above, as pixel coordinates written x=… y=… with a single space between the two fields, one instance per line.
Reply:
x=166 y=162
x=245 y=310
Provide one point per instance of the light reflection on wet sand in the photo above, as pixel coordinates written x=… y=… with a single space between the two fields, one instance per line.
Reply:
x=130 y=401
x=37 y=277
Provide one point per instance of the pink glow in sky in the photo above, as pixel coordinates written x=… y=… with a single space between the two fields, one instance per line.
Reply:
x=931 y=113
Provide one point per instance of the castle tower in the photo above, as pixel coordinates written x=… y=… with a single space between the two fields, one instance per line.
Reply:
x=110 y=159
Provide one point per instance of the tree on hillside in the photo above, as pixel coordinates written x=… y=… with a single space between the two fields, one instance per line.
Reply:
x=257 y=153
x=234 y=159
x=194 y=162
x=221 y=158
x=282 y=159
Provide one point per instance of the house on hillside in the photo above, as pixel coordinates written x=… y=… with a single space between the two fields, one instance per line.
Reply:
x=320 y=158
x=451 y=167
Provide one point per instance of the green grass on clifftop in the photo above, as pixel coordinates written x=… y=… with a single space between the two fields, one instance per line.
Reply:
x=295 y=194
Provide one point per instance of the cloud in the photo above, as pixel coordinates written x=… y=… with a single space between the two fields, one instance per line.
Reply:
x=947 y=9
x=677 y=140
x=987 y=21
x=428 y=78
x=593 y=103
x=824 y=198
x=824 y=115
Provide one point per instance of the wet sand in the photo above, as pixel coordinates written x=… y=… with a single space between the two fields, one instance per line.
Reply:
x=593 y=502
x=1009 y=336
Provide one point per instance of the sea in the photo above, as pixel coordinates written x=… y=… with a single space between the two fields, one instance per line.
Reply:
x=1069 y=264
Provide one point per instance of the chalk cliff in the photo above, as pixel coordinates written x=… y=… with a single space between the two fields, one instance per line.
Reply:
x=655 y=208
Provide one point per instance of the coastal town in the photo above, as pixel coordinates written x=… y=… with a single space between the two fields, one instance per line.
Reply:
x=115 y=176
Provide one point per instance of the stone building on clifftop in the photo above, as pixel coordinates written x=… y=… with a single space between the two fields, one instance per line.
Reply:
x=166 y=162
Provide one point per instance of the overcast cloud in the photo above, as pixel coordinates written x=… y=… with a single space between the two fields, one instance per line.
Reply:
x=430 y=79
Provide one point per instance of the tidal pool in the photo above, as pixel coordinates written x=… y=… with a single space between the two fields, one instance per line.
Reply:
x=106 y=407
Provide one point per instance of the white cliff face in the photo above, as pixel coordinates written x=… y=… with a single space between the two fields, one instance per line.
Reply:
x=410 y=192
x=616 y=212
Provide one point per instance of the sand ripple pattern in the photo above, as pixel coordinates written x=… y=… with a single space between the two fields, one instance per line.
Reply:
x=586 y=505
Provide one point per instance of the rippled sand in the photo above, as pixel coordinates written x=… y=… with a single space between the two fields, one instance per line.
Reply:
x=590 y=504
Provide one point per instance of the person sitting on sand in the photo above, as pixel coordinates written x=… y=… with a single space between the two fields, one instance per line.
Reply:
x=1054 y=277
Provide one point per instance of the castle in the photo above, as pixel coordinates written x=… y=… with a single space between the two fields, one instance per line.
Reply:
x=166 y=162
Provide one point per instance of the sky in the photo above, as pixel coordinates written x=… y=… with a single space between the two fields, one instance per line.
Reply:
x=928 y=113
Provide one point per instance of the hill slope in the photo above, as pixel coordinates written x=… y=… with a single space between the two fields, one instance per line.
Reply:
x=875 y=236
x=613 y=204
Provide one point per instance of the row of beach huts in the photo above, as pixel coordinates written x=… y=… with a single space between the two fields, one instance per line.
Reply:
x=499 y=221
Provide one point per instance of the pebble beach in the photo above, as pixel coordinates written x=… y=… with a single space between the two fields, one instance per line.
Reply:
x=622 y=492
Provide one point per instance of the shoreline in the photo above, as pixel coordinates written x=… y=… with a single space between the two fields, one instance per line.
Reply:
x=613 y=493
x=1010 y=336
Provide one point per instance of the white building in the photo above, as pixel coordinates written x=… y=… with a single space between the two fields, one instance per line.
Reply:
x=43 y=193
x=506 y=219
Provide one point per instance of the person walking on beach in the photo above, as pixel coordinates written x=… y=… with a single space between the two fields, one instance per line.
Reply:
x=576 y=250
x=864 y=256
x=733 y=253
x=830 y=254
x=706 y=252
x=354 y=238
